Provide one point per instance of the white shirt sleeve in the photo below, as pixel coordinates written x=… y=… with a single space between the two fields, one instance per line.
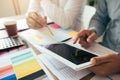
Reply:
x=66 y=15
x=35 y=6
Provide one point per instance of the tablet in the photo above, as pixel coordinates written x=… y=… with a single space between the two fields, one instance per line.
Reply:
x=73 y=57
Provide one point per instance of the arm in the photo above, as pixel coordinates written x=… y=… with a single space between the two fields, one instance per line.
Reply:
x=34 y=6
x=34 y=15
x=101 y=18
x=63 y=16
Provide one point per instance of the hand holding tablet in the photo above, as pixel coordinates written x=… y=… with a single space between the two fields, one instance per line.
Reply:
x=74 y=57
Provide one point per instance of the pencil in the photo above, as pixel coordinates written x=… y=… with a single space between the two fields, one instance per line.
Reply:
x=50 y=31
x=45 y=18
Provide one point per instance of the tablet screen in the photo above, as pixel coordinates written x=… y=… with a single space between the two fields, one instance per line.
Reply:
x=75 y=55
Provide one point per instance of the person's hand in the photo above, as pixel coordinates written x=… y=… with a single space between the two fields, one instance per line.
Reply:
x=36 y=21
x=86 y=38
x=106 y=65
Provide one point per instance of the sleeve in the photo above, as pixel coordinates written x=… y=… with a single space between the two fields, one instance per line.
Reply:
x=34 y=5
x=63 y=16
x=101 y=18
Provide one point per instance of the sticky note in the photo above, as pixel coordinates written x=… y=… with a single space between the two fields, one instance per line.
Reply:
x=73 y=34
x=56 y=26
x=27 y=68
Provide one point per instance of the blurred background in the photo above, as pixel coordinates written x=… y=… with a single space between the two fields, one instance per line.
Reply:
x=19 y=7
x=13 y=7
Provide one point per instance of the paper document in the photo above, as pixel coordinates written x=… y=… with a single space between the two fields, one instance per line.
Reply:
x=50 y=76
x=3 y=34
x=99 y=78
x=110 y=77
x=59 y=34
x=44 y=37
x=22 y=25
x=62 y=71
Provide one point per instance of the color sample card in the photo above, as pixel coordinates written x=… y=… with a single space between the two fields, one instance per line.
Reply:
x=6 y=69
x=73 y=34
x=58 y=34
x=25 y=63
x=36 y=37
x=7 y=73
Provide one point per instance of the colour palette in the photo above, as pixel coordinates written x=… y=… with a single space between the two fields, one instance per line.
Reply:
x=26 y=65
x=6 y=69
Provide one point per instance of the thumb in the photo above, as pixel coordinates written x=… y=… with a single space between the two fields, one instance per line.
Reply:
x=100 y=59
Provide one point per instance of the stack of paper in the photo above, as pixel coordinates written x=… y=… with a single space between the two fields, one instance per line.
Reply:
x=21 y=65
x=60 y=70
x=63 y=72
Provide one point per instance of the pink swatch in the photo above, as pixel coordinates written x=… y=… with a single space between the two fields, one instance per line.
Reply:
x=56 y=26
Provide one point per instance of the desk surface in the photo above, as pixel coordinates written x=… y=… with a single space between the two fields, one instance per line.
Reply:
x=21 y=22
x=37 y=51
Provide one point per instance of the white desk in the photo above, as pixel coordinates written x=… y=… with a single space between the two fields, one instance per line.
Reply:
x=20 y=23
x=88 y=12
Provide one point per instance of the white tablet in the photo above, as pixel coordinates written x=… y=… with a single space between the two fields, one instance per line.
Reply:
x=71 y=56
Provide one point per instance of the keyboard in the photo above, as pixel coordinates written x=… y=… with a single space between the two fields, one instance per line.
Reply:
x=9 y=42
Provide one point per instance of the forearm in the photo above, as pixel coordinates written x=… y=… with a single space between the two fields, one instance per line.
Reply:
x=101 y=19
x=64 y=16
x=34 y=5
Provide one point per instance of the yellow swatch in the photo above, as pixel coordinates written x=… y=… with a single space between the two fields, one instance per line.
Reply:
x=27 y=68
x=73 y=34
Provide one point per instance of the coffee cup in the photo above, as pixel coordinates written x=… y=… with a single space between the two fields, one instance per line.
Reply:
x=11 y=28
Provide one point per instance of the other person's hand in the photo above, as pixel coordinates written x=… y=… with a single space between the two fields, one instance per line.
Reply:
x=36 y=21
x=86 y=38
x=106 y=65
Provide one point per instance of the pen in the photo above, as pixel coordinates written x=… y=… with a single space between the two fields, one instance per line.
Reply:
x=45 y=17
x=109 y=77
x=49 y=23
x=88 y=76
x=66 y=39
x=50 y=31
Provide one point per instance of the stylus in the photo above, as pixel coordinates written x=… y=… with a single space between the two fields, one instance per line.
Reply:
x=109 y=77
x=66 y=39
x=50 y=23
